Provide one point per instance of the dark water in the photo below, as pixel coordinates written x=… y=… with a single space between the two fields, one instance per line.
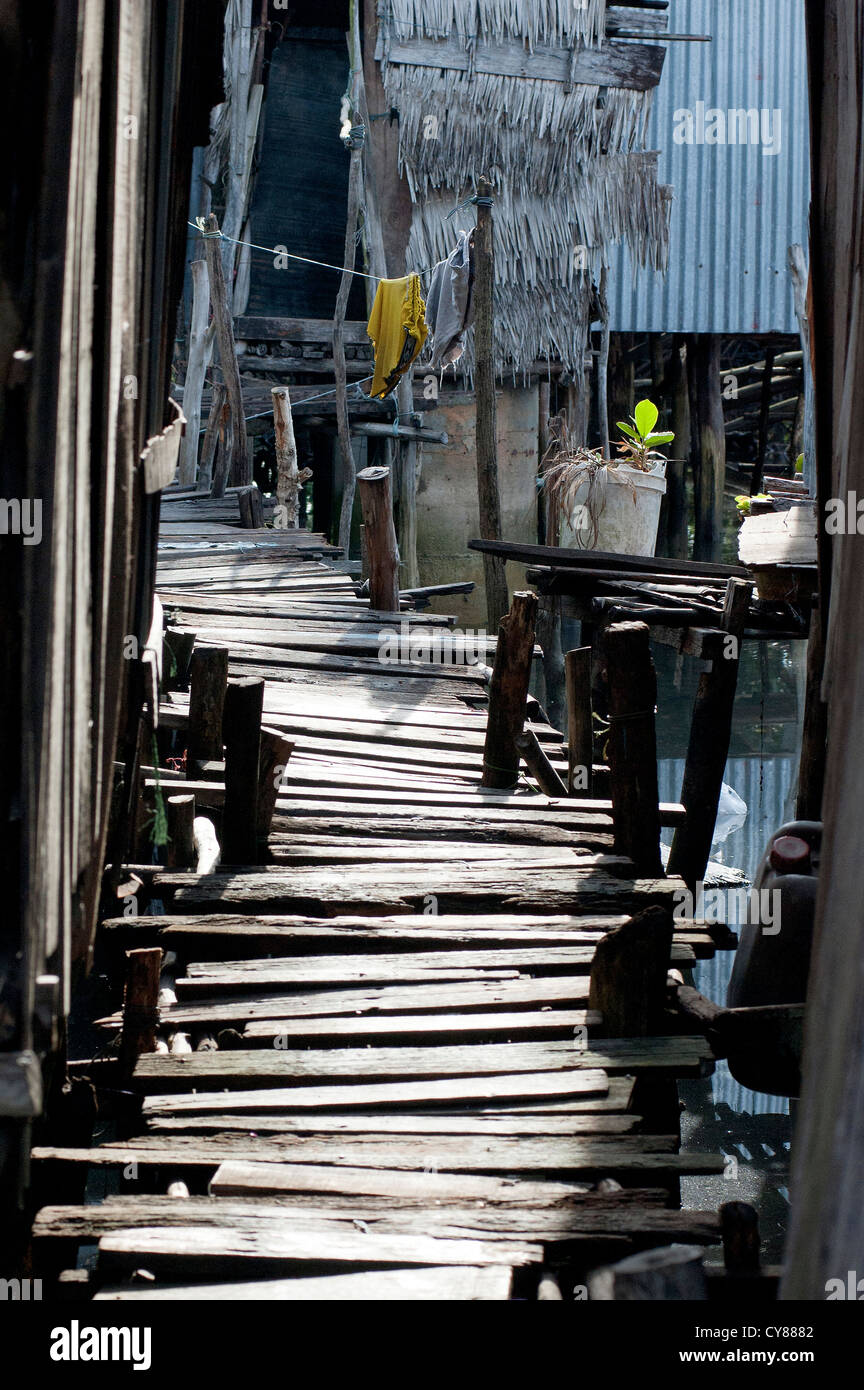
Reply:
x=752 y=1130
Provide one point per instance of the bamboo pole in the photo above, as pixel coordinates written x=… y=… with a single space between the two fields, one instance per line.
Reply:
x=488 y=496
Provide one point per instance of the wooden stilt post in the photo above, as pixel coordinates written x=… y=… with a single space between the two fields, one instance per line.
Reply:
x=355 y=188
x=380 y=533
x=677 y=539
x=580 y=726
x=709 y=744
x=288 y=476
x=244 y=705
x=242 y=471
x=140 y=1006
x=764 y=421
x=739 y=1223
x=633 y=745
x=484 y=384
x=405 y=511
x=708 y=442
x=508 y=691
x=208 y=681
x=811 y=765
x=206 y=479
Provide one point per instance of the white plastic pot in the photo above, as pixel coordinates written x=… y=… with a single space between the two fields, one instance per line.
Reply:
x=627 y=515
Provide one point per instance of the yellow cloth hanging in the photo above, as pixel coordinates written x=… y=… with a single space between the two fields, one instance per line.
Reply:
x=397 y=327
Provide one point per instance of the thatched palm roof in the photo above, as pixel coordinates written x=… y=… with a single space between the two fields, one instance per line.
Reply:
x=566 y=159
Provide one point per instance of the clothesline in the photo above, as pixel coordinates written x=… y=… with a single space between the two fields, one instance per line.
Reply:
x=309 y=260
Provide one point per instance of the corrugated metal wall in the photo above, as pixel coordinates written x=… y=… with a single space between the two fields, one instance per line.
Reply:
x=736 y=208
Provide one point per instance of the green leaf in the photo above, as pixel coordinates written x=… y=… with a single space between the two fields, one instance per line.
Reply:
x=627 y=430
x=646 y=415
x=652 y=439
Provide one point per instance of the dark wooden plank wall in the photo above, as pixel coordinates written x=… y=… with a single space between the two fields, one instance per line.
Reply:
x=827 y=1231
x=109 y=100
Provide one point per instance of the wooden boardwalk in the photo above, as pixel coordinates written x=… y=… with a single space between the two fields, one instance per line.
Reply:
x=380 y=1074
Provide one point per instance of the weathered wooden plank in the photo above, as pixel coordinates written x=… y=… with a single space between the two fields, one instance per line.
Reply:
x=156 y=1072
x=392 y=999
x=635 y=66
x=456 y=1284
x=219 y=1249
x=423 y=1027
x=381 y=1123
x=408 y=1094
x=236 y=1185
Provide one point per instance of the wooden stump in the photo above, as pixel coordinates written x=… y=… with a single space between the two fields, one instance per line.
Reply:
x=276 y=751
x=628 y=975
x=633 y=745
x=208 y=682
x=508 y=691
x=180 y=811
x=251 y=508
x=244 y=703
x=140 y=1006
x=376 y=501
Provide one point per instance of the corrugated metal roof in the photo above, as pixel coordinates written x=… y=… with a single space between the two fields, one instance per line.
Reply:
x=737 y=208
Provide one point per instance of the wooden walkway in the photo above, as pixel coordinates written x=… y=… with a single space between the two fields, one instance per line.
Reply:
x=379 y=1075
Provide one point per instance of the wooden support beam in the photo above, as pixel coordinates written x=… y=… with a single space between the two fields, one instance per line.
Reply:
x=208 y=681
x=140 y=1006
x=633 y=744
x=628 y=975
x=244 y=704
x=215 y=426
x=242 y=469
x=508 y=691
x=580 y=724
x=709 y=742
x=376 y=501
x=484 y=385
x=288 y=478
x=539 y=765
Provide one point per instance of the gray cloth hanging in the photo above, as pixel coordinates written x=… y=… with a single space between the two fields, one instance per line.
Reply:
x=450 y=303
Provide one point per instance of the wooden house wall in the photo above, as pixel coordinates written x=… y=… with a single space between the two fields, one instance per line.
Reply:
x=108 y=97
x=826 y=1238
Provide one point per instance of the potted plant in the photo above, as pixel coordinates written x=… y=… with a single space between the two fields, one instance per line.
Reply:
x=612 y=504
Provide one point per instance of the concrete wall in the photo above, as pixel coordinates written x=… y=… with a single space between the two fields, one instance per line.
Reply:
x=447 y=515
